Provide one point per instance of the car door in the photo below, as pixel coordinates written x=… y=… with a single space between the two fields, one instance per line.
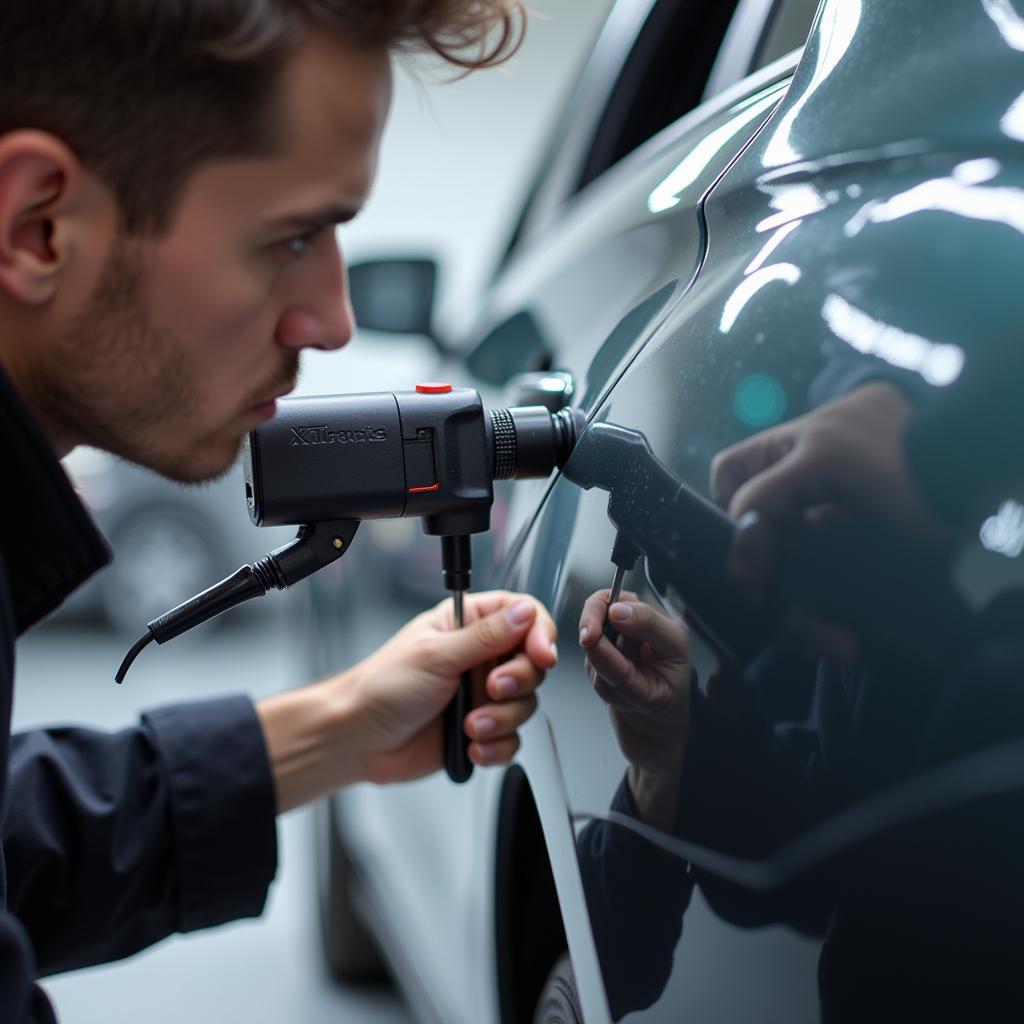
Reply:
x=598 y=279
x=564 y=555
x=866 y=231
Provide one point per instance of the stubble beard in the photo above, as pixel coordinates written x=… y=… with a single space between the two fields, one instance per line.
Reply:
x=121 y=384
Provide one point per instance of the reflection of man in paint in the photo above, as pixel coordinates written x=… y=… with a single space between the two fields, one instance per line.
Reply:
x=924 y=917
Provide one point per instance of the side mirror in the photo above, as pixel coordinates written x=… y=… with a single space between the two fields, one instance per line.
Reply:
x=515 y=346
x=395 y=295
x=552 y=388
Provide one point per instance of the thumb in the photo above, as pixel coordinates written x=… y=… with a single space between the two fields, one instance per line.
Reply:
x=487 y=638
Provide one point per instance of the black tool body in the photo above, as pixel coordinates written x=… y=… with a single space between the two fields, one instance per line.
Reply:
x=432 y=453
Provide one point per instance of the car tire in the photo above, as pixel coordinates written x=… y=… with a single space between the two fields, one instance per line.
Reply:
x=559 y=1001
x=350 y=952
x=163 y=557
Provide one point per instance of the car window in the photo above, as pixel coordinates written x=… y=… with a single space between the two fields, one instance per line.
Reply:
x=786 y=30
x=655 y=86
x=648 y=68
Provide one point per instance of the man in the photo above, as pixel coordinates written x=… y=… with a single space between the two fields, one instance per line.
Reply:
x=171 y=175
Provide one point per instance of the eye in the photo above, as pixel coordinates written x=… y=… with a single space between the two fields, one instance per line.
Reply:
x=298 y=245
x=293 y=248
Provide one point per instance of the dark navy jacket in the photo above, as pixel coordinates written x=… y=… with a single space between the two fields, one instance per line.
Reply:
x=110 y=842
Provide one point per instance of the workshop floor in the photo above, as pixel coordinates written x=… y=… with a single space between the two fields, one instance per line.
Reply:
x=262 y=972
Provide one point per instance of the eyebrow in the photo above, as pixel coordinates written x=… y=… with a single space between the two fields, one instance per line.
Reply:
x=313 y=219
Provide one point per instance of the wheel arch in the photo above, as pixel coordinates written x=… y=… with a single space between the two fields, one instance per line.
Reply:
x=529 y=931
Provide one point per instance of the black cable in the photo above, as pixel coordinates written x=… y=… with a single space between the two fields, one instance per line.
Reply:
x=317 y=545
x=131 y=656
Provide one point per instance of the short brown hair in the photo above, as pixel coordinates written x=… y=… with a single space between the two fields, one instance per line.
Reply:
x=146 y=90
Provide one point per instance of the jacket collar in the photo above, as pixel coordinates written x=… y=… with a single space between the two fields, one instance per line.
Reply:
x=49 y=543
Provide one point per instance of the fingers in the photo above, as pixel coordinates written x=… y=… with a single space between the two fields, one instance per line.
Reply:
x=784 y=490
x=541 y=635
x=496 y=753
x=618 y=682
x=594 y=614
x=500 y=632
x=635 y=620
x=495 y=726
x=608 y=665
x=732 y=467
x=513 y=678
x=541 y=641
x=493 y=730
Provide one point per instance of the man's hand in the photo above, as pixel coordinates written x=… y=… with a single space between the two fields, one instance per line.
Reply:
x=645 y=681
x=845 y=457
x=380 y=721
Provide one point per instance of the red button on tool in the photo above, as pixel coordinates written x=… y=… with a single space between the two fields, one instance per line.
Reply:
x=433 y=389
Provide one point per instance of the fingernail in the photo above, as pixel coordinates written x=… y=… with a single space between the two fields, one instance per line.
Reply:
x=584 y=633
x=505 y=687
x=484 y=725
x=620 y=612
x=520 y=613
x=486 y=751
x=554 y=652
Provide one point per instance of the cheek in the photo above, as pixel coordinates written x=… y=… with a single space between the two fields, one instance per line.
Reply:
x=222 y=315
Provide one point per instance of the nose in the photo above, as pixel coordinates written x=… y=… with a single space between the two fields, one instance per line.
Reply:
x=317 y=311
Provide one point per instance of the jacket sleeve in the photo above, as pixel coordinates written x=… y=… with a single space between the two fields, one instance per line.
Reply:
x=21 y=1000
x=636 y=895
x=114 y=841
x=749 y=786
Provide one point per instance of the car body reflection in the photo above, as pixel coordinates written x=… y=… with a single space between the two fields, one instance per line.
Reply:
x=823 y=809
x=812 y=838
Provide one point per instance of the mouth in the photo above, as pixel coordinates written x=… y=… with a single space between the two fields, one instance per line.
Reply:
x=268 y=407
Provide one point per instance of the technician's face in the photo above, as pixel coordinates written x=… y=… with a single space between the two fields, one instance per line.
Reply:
x=188 y=339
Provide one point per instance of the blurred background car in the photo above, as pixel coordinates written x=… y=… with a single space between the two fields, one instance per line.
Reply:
x=171 y=541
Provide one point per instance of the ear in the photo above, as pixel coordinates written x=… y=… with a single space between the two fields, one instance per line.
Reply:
x=42 y=184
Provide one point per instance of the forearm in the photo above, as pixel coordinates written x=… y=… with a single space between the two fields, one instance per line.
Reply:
x=310 y=742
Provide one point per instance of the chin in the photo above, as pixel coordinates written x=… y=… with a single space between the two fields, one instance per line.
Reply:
x=205 y=462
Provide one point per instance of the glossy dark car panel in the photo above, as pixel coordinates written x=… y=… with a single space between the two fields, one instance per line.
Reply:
x=730 y=274
x=835 y=240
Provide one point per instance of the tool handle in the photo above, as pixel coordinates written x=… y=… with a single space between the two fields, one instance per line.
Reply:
x=456 y=743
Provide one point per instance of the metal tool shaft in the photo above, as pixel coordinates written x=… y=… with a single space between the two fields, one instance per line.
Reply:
x=617 y=581
x=616 y=589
